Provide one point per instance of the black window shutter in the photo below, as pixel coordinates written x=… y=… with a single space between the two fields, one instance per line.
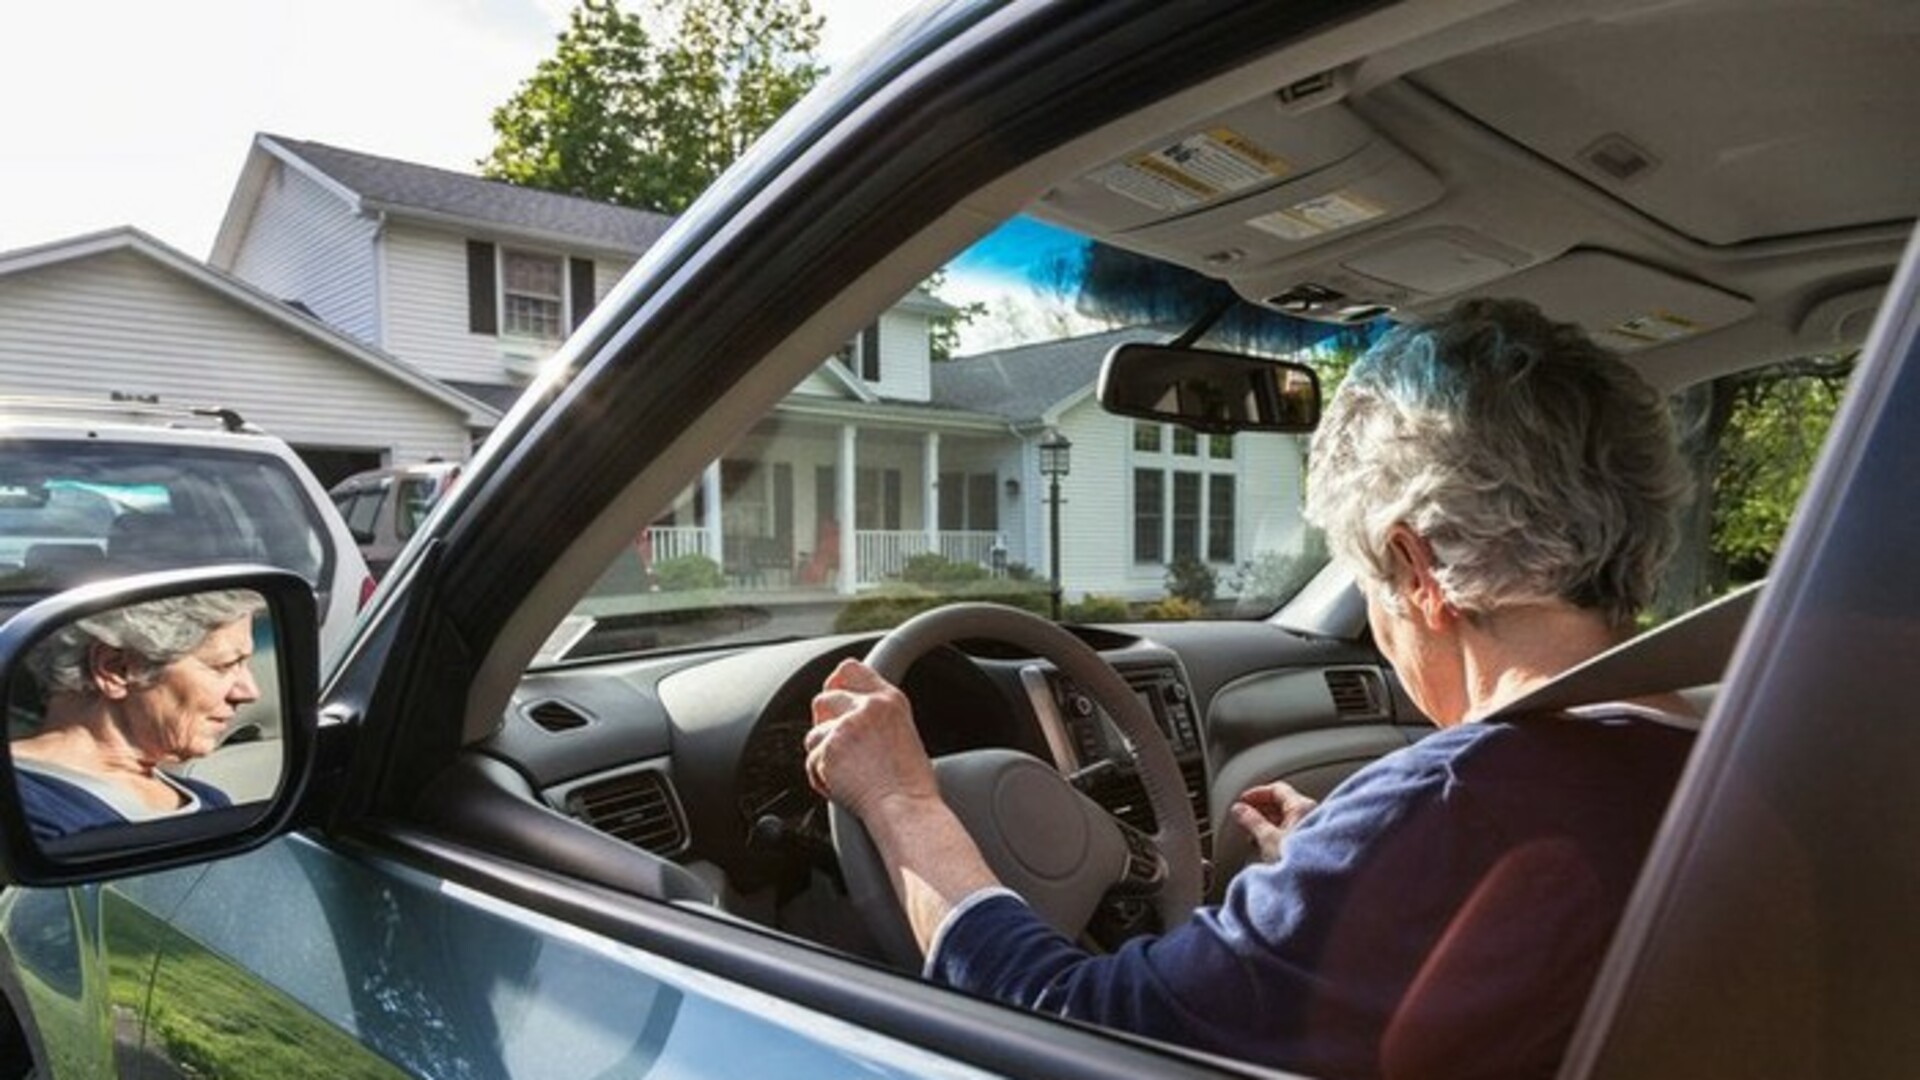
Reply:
x=483 y=316
x=580 y=274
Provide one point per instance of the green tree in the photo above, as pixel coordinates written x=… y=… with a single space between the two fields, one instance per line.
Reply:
x=646 y=110
x=1751 y=440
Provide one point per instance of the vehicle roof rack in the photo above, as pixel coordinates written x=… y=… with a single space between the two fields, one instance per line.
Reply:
x=178 y=416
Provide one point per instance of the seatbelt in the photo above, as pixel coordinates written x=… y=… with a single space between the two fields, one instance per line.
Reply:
x=1689 y=651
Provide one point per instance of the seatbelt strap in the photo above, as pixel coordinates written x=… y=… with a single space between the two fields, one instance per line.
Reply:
x=1689 y=651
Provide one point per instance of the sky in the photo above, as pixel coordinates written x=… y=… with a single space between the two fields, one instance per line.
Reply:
x=136 y=112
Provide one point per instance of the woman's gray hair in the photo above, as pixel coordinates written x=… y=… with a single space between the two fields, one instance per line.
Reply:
x=158 y=632
x=1536 y=464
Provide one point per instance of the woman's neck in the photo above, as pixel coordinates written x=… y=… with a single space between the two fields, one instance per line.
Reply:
x=1510 y=653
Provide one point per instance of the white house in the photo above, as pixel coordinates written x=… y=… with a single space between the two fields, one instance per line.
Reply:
x=118 y=315
x=881 y=455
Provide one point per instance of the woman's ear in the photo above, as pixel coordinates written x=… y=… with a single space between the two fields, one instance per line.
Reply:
x=110 y=671
x=1413 y=572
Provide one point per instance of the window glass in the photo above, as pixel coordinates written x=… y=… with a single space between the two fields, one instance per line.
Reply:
x=1220 y=520
x=1185 y=442
x=74 y=511
x=1149 y=515
x=1186 y=515
x=1146 y=437
x=1220 y=447
x=533 y=298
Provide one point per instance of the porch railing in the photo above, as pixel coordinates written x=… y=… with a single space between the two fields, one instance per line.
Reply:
x=673 y=541
x=882 y=554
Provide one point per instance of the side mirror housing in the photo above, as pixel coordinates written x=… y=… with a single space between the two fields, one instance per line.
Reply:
x=1213 y=392
x=155 y=721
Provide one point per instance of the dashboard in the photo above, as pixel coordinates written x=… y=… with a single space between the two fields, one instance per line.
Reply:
x=696 y=758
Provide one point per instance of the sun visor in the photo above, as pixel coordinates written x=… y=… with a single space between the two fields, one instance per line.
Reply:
x=1624 y=305
x=1240 y=153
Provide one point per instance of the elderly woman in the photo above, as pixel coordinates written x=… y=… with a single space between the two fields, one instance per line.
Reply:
x=129 y=691
x=1502 y=490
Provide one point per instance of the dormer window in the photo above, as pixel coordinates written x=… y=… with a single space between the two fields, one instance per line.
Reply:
x=870 y=353
x=533 y=304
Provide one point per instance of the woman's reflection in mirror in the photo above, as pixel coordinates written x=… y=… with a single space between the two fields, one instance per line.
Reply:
x=129 y=693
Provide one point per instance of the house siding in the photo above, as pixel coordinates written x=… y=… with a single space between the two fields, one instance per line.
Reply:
x=906 y=358
x=119 y=322
x=1098 y=557
x=426 y=307
x=308 y=244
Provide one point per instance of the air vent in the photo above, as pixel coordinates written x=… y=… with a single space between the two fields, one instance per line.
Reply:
x=556 y=716
x=639 y=808
x=1358 y=694
x=1123 y=796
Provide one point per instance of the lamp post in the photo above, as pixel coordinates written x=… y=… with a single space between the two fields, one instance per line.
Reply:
x=1055 y=462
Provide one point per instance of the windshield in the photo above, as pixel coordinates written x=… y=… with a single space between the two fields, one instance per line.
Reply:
x=954 y=450
x=72 y=511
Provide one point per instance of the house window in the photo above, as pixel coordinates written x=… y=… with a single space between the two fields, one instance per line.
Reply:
x=1186 y=515
x=1220 y=523
x=870 y=353
x=1185 y=442
x=1149 y=515
x=967 y=502
x=876 y=499
x=533 y=304
x=1220 y=447
x=1146 y=437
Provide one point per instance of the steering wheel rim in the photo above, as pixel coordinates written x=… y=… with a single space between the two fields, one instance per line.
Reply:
x=987 y=788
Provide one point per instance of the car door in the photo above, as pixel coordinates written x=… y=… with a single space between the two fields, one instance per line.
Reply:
x=301 y=959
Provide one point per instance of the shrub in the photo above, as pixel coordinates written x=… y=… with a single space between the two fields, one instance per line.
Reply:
x=937 y=570
x=1264 y=583
x=1174 y=609
x=1096 y=608
x=884 y=609
x=1190 y=579
x=685 y=572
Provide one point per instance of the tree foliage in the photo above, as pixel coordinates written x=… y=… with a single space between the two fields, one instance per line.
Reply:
x=646 y=110
x=1751 y=440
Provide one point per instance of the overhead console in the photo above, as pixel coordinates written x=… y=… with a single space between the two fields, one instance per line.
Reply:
x=1256 y=186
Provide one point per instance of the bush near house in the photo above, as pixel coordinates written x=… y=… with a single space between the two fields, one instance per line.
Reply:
x=936 y=571
x=1094 y=607
x=892 y=605
x=1173 y=609
x=683 y=573
x=1190 y=579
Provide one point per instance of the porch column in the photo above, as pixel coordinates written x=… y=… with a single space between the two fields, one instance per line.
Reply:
x=710 y=494
x=849 y=475
x=930 y=495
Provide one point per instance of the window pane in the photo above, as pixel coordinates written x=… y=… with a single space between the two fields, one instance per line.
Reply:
x=953 y=500
x=1220 y=519
x=1186 y=515
x=1186 y=442
x=983 y=503
x=1146 y=438
x=1149 y=515
x=532 y=296
x=1220 y=447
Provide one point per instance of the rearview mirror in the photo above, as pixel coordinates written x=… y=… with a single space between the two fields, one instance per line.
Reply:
x=153 y=720
x=1213 y=392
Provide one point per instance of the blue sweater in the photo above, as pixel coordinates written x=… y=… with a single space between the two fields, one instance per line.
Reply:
x=1443 y=912
x=56 y=807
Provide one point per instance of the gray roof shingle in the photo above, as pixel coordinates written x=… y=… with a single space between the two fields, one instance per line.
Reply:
x=404 y=185
x=1022 y=383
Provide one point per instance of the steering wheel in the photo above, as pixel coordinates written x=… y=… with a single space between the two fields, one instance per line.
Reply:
x=1060 y=850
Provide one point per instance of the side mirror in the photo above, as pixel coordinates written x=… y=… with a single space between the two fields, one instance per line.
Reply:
x=1213 y=392
x=154 y=721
